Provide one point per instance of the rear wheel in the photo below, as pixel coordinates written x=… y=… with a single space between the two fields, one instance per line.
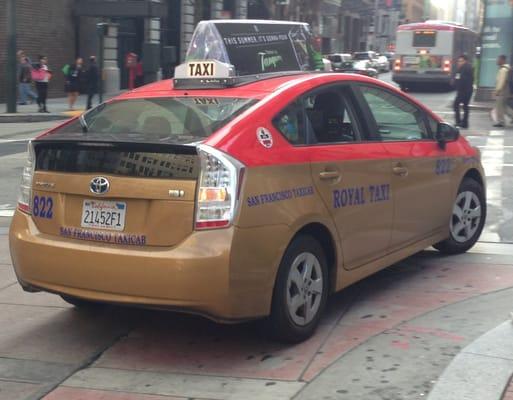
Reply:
x=467 y=219
x=300 y=291
x=80 y=303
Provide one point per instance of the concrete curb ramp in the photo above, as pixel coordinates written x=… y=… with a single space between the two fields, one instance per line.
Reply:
x=481 y=371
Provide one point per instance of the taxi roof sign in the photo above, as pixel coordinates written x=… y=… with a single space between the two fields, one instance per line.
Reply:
x=223 y=50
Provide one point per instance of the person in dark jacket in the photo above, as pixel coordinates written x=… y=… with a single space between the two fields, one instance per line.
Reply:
x=464 y=84
x=73 y=80
x=91 y=81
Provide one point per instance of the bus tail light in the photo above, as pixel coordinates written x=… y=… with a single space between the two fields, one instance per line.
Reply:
x=25 y=193
x=397 y=65
x=447 y=66
x=218 y=189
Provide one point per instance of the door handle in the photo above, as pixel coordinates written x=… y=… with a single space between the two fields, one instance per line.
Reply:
x=401 y=171
x=329 y=175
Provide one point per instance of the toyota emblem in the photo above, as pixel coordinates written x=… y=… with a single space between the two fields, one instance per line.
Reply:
x=99 y=185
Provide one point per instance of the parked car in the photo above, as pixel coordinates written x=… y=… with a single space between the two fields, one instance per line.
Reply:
x=337 y=59
x=370 y=56
x=362 y=67
x=383 y=64
x=390 y=56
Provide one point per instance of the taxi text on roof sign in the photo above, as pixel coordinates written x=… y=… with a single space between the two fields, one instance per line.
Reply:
x=201 y=69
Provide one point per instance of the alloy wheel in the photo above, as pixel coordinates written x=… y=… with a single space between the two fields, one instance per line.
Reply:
x=304 y=288
x=466 y=216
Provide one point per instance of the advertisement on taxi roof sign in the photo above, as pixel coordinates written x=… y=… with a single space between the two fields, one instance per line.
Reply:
x=254 y=47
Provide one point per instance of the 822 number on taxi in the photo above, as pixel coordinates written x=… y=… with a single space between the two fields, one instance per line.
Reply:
x=42 y=207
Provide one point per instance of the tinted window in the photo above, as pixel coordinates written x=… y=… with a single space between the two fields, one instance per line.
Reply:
x=172 y=119
x=396 y=118
x=290 y=123
x=330 y=117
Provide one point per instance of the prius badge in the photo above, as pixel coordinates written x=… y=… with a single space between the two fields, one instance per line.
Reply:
x=99 y=185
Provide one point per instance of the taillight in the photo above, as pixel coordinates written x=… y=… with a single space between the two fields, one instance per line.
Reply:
x=447 y=66
x=397 y=65
x=218 y=189
x=25 y=193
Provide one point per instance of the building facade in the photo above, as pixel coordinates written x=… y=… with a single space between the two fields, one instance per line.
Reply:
x=159 y=31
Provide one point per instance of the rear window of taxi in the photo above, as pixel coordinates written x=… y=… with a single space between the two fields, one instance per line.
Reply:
x=171 y=119
x=149 y=137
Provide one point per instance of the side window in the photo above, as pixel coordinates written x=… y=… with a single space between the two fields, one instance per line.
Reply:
x=330 y=117
x=290 y=123
x=396 y=118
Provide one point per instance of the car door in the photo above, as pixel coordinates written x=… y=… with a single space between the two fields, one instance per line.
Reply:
x=421 y=179
x=351 y=174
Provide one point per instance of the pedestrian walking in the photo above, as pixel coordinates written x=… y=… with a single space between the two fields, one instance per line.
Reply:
x=463 y=81
x=502 y=92
x=91 y=81
x=25 y=82
x=73 y=82
x=42 y=75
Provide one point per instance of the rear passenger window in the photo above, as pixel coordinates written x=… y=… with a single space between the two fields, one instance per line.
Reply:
x=329 y=117
x=290 y=122
x=396 y=118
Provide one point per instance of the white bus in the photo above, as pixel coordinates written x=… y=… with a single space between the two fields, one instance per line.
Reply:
x=426 y=52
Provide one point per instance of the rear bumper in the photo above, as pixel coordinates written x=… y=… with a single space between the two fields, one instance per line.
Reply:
x=202 y=275
x=413 y=77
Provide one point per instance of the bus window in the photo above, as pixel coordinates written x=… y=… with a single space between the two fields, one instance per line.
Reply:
x=424 y=39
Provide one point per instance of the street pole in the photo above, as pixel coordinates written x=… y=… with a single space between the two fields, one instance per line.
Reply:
x=100 y=30
x=11 y=56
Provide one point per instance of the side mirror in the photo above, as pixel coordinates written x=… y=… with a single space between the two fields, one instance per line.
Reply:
x=446 y=133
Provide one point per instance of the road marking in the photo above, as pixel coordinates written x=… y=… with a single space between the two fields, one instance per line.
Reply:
x=6 y=213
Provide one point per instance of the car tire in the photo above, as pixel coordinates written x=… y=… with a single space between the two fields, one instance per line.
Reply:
x=81 y=303
x=300 y=291
x=467 y=219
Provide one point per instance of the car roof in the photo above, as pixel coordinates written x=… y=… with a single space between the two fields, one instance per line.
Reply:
x=261 y=88
x=257 y=89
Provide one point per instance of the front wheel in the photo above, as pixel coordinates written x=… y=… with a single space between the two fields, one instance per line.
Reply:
x=467 y=219
x=300 y=291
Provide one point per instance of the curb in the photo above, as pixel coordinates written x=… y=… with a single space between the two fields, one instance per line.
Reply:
x=35 y=117
x=481 y=371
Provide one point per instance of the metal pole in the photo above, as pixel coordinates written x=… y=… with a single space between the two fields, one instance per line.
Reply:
x=11 y=56
x=100 y=28
x=376 y=23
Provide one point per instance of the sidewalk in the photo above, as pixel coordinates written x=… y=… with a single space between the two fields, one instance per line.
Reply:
x=58 y=107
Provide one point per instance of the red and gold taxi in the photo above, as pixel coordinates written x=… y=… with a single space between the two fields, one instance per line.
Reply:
x=242 y=198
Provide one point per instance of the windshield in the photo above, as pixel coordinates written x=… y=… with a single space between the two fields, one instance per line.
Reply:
x=361 y=56
x=336 y=58
x=170 y=119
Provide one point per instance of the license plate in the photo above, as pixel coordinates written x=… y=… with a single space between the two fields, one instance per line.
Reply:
x=103 y=214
